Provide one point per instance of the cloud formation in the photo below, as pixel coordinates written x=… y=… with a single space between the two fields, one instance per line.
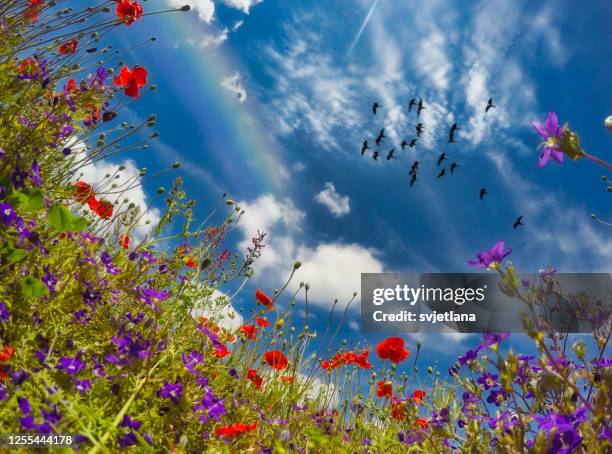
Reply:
x=337 y=204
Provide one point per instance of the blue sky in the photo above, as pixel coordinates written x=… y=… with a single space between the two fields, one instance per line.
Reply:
x=270 y=101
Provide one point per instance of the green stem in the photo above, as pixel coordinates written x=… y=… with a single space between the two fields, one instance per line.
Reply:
x=596 y=160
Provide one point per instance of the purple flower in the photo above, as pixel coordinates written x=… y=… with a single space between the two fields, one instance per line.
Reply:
x=491 y=339
x=3 y=393
x=209 y=407
x=82 y=386
x=19 y=177
x=35 y=174
x=552 y=134
x=497 y=396
x=470 y=355
x=190 y=360
x=127 y=440
x=172 y=391
x=106 y=258
x=71 y=366
x=19 y=376
x=488 y=380
x=4 y=313
x=492 y=257
x=7 y=214
x=130 y=423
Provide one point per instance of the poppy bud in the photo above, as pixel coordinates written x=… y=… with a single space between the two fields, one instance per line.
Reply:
x=121 y=167
x=185 y=8
x=280 y=323
x=608 y=123
x=108 y=116
x=306 y=285
x=161 y=190
x=205 y=263
x=229 y=202
x=143 y=171
x=176 y=165
x=296 y=265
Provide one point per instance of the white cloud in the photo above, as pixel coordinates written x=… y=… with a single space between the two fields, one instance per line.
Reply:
x=215 y=40
x=431 y=59
x=205 y=8
x=337 y=204
x=243 y=5
x=233 y=83
x=219 y=310
x=237 y=25
x=333 y=269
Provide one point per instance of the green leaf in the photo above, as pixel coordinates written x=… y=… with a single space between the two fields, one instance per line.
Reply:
x=61 y=219
x=16 y=255
x=29 y=200
x=33 y=287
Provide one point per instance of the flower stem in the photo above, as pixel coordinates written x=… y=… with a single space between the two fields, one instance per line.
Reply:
x=596 y=160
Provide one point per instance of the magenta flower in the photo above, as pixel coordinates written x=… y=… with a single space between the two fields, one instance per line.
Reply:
x=552 y=134
x=491 y=258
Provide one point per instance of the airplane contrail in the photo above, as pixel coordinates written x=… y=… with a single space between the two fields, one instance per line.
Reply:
x=363 y=26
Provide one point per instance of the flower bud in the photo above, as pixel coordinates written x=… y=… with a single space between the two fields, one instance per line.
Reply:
x=608 y=123
x=280 y=323
x=296 y=265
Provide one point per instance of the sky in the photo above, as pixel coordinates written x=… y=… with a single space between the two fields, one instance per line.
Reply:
x=270 y=102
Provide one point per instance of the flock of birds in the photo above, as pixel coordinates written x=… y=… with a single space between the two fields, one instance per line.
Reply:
x=420 y=127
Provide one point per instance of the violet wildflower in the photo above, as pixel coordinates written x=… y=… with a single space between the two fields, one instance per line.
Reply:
x=488 y=380
x=4 y=313
x=19 y=376
x=35 y=174
x=18 y=177
x=470 y=355
x=127 y=440
x=552 y=134
x=489 y=340
x=492 y=257
x=7 y=214
x=130 y=423
x=71 y=366
x=172 y=391
x=82 y=386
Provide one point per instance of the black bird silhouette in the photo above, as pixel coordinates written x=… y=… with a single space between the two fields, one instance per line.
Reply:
x=519 y=221
x=390 y=155
x=451 y=133
x=375 y=155
x=489 y=105
x=454 y=165
x=420 y=107
x=412 y=143
x=483 y=192
x=415 y=165
x=413 y=179
x=403 y=144
x=441 y=158
x=411 y=104
x=381 y=136
x=375 y=107
x=442 y=173
x=419 y=129
x=364 y=147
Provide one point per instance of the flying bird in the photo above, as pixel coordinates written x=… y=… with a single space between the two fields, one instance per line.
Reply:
x=421 y=107
x=412 y=143
x=453 y=166
x=391 y=155
x=411 y=104
x=441 y=158
x=375 y=155
x=442 y=173
x=403 y=144
x=375 y=107
x=381 y=136
x=415 y=165
x=413 y=179
x=519 y=221
x=483 y=192
x=451 y=133
x=364 y=147
x=419 y=129
x=489 y=105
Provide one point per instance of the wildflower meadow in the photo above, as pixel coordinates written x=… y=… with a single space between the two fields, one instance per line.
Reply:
x=110 y=326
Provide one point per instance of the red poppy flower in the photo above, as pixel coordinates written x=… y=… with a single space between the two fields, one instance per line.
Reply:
x=69 y=47
x=133 y=81
x=287 y=379
x=423 y=423
x=256 y=379
x=385 y=389
x=221 y=351
x=82 y=192
x=398 y=410
x=102 y=208
x=276 y=359
x=71 y=86
x=28 y=66
x=125 y=241
x=128 y=11
x=262 y=322
x=33 y=10
x=418 y=395
x=249 y=331
x=6 y=353
x=190 y=263
x=263 y=299
x=392 y=348
x=235 y=429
